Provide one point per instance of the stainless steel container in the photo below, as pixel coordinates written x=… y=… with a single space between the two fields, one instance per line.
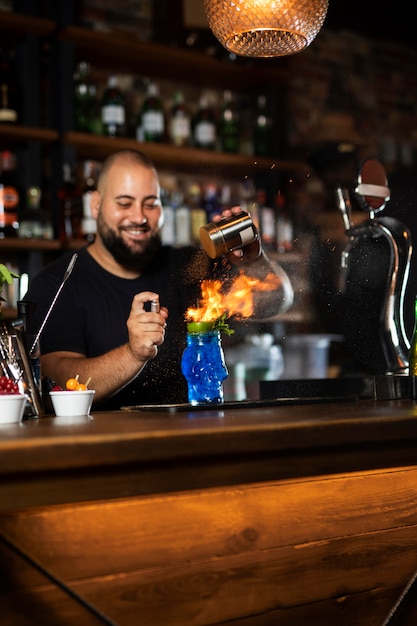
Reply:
x=218 y=238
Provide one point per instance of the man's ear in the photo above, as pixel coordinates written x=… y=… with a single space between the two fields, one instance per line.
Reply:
x=95 y=203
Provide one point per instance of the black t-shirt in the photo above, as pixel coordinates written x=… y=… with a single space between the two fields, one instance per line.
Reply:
x=90 y=314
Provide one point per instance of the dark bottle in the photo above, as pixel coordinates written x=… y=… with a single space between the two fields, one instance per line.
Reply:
x=262 y=129
x=34 y=223
x=85 y=100
x=267 y=221
x=211 y=201
x=285 y=226
x=204 y=126
x=113 y=110
x=70 y=206
x=179 y=121
x=229 y=128
x=88 y=222
x=9 y=196
x=412 y=356
x=8 y=90
x=151 y=126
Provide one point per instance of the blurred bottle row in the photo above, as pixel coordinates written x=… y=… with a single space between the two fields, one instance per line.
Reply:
x=188 y=205
x=208 y=123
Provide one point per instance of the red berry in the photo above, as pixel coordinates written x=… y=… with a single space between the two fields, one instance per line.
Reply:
x=57 y=388
x=8 y=386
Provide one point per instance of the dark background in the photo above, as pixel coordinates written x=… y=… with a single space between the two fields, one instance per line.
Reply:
x=392 y=21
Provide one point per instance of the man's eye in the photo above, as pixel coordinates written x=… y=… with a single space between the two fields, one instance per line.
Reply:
x=124 y=205
x=151 y=205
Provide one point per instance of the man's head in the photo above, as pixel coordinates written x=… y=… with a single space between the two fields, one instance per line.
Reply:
x=128 y=208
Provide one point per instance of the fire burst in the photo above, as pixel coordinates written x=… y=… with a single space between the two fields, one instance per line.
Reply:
x=236 y=301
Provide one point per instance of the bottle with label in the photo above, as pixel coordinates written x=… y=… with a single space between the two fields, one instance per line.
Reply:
x=211 y=201
x=182 y=221
x=168 y=229
x=229 y=130
x=113 y=110
x=263 y=129
x=198 y=214
x=8 y=89
x=180 y=121
x=85 y=100
x=285 y=227
x=151 y=126
x=34 y=224
x=267 y=221
x=248 y=200
x=88 y=222
x=70 y=206
x=9 y=196
x=204 y=126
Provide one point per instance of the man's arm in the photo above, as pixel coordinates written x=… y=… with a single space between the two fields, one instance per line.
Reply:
x=112 y=371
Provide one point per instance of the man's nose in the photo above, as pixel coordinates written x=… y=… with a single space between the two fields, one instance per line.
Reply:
x=137 y=213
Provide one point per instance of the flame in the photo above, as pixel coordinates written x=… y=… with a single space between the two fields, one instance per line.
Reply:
x=237 y=300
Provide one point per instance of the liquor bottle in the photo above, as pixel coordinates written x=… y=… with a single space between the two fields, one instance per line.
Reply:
x=179 y=121
x=34 y=224
x=262 y=129
x=182 y=221
x=70 y=205
x=9 y=196
x=168 y=229
x=113 y=109
x=211 y=201
x=229 y=130
x=248 y=200
x=412 y=356
x=8 y=90
x=267 y=221
x=285 y=227
x=204 y=126
x=151 y=126
x=85 y=100
x=198 y=214
x=88 y=222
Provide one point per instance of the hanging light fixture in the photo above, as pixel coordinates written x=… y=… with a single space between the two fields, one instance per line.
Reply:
x=265 y=28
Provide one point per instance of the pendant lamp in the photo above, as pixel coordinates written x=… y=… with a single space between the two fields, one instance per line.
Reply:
x=265 y=28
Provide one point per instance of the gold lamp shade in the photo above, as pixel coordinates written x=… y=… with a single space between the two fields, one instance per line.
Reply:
x=265 y=28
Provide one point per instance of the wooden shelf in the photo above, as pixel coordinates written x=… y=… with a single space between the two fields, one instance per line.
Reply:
x=123 y=53
x=14 y=243
x=167 y=155
x=19 y=24
x=21 y=134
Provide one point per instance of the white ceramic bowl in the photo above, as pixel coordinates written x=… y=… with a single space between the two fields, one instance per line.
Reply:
x=72 y=403
x=12 y=408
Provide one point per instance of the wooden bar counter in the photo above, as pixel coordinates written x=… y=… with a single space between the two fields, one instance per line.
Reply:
x=275 y=514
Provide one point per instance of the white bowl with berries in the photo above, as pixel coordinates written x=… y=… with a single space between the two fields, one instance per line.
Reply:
x=73 y=401
x=12 y=402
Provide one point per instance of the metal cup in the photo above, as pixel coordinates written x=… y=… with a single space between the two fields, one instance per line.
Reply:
x=228 y=234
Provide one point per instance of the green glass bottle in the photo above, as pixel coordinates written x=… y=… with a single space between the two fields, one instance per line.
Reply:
x=204 y=126
x=113 y=109
x=151 y=125
x=85 y=100
x=229 y=130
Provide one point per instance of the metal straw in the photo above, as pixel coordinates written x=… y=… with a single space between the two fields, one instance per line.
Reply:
x=49 y=311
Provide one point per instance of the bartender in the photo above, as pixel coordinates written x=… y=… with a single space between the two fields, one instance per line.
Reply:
x=101 y=326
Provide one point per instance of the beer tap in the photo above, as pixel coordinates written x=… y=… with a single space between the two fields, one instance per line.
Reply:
x=375 y=267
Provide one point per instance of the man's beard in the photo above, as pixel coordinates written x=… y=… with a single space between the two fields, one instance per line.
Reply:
x=139 y=259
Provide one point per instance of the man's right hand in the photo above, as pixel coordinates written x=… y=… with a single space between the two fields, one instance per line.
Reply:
x=146 y=329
